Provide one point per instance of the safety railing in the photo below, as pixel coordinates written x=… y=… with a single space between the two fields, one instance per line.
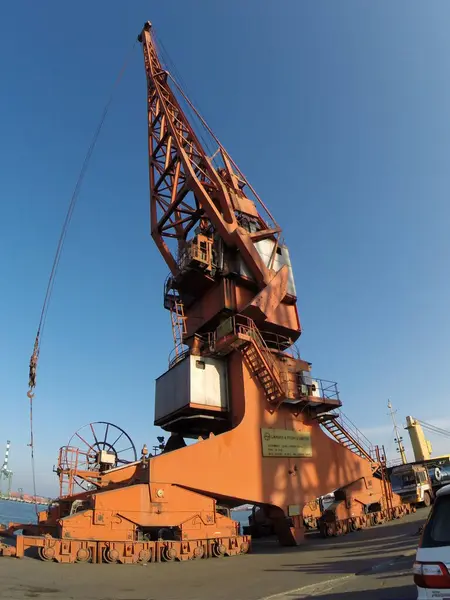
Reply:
x=281 y=343
x=267 y=343
x=200 y=254
x=71 y=458
x=328 y=389
x=356 y=434
x=247 y=327
x=70 y=461
x=177 y=354
x=195 y=252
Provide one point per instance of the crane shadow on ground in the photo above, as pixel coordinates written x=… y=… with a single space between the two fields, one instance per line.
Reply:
x=391 y=579
x=372 y=541
x=405 y=592
x=344 y=566
x=361 y=548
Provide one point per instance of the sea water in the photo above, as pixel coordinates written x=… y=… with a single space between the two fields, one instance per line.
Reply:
x=18 y=512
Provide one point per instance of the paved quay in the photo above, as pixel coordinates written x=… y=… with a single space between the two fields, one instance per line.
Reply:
x=334 y=568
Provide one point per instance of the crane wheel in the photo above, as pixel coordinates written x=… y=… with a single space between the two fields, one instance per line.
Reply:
x=144 y=556
x=46 y=553
x=244 y=547
x=199 y=552
x=427 y=500
x=168 y=554
x=110 y=555
x=83 y=555
x=218 y=550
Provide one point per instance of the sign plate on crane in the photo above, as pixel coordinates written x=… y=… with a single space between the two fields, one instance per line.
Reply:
x=286 y=442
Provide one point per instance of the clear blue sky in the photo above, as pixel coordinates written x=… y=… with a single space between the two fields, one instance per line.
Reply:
x=338 y=112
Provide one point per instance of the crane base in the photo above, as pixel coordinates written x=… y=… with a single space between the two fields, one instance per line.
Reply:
x=71 y=551
x=331 y=526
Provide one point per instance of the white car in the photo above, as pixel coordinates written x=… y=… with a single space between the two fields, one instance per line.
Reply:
x=432 y=566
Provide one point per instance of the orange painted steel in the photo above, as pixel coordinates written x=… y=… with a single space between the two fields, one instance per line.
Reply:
x=311 y=514
x=240 y=388
x=362 y=503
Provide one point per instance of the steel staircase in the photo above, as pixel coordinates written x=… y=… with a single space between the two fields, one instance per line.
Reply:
x=265 y=370
x=347 y=434
x=242 y=334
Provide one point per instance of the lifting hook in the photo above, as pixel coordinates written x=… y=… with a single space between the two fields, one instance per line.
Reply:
x=33 y=368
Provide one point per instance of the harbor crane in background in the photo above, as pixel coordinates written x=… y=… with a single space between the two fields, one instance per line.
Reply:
x=266 y=432
x=422 y=447
x=6 y=474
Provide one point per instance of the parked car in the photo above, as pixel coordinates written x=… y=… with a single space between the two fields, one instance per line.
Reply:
x=432 y=566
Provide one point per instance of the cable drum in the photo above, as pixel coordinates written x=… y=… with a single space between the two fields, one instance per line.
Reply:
x=437 y=474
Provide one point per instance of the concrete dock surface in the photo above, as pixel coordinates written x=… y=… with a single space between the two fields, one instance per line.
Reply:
x=373 y=564
x=389 y=582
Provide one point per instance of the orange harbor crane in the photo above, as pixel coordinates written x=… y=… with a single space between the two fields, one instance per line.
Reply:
x=266 y=431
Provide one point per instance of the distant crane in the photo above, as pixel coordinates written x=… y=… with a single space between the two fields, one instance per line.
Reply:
x=6 y=474
x=422 y=447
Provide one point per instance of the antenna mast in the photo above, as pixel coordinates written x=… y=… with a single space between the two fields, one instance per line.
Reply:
x=398 y=439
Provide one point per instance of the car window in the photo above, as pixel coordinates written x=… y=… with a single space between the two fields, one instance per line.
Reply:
x=437 y=529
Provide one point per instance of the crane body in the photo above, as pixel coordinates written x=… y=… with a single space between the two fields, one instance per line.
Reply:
x=266 y=431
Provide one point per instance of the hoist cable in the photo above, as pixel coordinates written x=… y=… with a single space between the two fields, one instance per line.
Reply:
x=59 y=249
x=433 y=429
x=172 y=70
x=221 y=147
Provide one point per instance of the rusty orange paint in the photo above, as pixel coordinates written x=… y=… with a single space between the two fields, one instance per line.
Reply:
x=175 y=506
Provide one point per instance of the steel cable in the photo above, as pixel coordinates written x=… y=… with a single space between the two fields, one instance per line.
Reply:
x=56 y=260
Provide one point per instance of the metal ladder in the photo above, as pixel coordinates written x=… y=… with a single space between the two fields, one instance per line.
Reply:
x=178 y=321
x=174 y=304
x=264 y=371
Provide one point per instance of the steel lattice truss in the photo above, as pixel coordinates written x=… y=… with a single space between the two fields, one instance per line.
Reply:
x=186 y=190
